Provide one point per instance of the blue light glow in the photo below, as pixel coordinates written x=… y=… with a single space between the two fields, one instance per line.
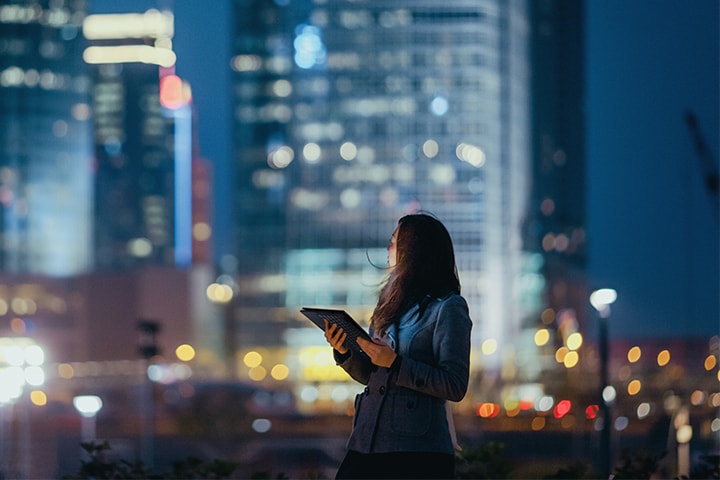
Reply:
x=310 y=50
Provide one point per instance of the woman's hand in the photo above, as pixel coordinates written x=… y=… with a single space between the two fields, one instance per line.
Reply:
x=379 y=352
x=335 y=336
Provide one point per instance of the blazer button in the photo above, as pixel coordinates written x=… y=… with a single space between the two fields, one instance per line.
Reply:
x=420 y=383
x=382 y=390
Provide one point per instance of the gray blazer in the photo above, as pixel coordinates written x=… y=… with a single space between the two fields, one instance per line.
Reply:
x=402 y=409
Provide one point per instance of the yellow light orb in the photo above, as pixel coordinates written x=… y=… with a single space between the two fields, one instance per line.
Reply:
x=185 y=352
x=634 y=354
x=634 y=387
x=489 y=346
x=280 y=372
x=38 y=397
x=257 y=373
x=710 y=362
x=542 y=336
x=560 y=354
x=252 y=359
x=571 y=359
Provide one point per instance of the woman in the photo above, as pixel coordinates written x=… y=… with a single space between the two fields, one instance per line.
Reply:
x=419 y=359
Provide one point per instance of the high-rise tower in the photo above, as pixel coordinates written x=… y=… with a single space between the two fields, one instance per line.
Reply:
x=348 y=115
x=45 y=144
x=555 y=227
x=143 y=130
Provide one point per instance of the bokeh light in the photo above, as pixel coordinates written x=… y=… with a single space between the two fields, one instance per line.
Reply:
x=710 y=362
x=537 y=424
x=488 y=410
x=634 y=354
x=542 y=337
x=38 y=398
x=257 y=374
x=663 y=358
x=571 y=359
x=633 y=387
x=489 y=346
x=562 y=408
x=643 y=410
x=574 y=341
x=252 y=359
x=185 y=352
x=280 y=372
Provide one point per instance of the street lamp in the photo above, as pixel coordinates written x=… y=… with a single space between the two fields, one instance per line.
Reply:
x=601 y=300
x=88 y=406
x=683 y=435
x=148 y=348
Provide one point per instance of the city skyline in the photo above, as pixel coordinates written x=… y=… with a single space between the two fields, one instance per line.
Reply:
x=318 y=162
x=651 y=233
x=625 y=232
x=636 y=112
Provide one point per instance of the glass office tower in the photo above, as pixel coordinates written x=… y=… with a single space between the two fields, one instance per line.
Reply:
x=144 y=149
x=349 y=115
x=45 y=145
x=555 y=227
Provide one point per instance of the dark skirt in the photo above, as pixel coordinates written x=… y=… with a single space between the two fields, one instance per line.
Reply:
x=415 y=465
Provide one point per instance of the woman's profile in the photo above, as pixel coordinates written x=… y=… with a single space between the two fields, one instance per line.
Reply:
x=418 y=360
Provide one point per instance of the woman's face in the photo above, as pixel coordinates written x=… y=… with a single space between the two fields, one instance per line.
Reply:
x=392 y=250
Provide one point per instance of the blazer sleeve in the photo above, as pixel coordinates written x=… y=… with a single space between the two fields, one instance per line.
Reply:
x=448 y=376
x=357 y=365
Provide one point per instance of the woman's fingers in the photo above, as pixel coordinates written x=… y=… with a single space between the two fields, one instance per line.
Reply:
x=335 y=336
x=379 y=352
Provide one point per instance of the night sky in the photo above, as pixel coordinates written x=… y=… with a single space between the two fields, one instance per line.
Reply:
x=651 y=228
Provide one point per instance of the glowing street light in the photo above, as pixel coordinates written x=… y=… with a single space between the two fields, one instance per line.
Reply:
x=88 y=406
x=683 y=435
x=601 y=300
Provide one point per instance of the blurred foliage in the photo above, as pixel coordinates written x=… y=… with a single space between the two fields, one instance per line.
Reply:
x=639 y=465
x=708 y=466
x=575 y=471
x=98 y=467
x=268 y=476
x=484 y=462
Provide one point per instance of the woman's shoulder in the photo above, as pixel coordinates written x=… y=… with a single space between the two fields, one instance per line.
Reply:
x=454 y=310
x=452 y=300
x=453 y=297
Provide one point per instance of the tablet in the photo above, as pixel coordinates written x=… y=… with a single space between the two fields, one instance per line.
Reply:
x=342 y=319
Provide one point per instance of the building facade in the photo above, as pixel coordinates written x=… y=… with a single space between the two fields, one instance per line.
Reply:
x=143 y=142
x=555 y=222
x=45 y=143
x=349 y=115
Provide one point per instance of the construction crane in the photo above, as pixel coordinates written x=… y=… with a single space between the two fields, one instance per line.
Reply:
x=708 y=165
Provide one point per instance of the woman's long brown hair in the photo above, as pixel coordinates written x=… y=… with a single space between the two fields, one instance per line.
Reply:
x=425 y=267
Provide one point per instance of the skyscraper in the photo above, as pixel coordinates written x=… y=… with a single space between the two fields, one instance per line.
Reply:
x=348 y=115
x=143 y=139
x=555 y=226
x=45 y=144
